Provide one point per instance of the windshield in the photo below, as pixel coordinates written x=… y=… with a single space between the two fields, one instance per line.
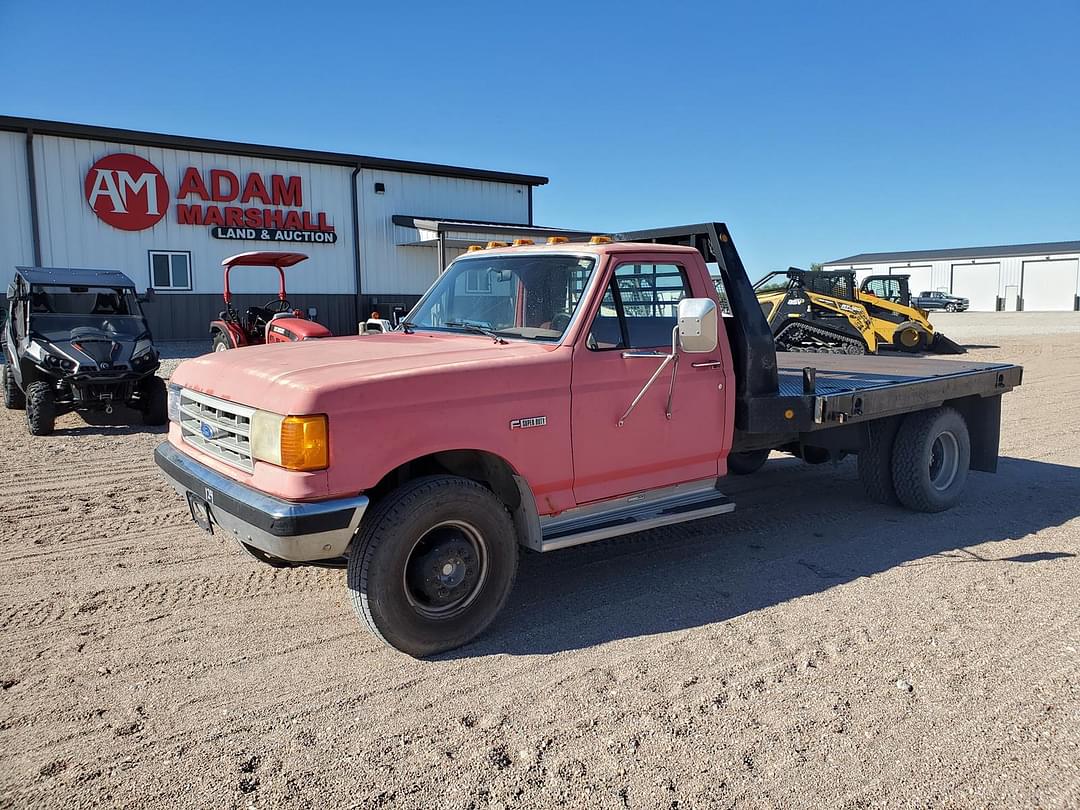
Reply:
x=532 y=297
x=55 y=311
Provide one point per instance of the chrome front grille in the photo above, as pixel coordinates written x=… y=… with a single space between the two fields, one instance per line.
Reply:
x=217 y=427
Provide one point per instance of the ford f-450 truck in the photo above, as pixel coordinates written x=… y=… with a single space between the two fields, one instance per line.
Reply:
x=542 y=396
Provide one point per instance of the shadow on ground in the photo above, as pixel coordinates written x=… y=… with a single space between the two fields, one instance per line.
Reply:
x=798 y=530
x=122 y=421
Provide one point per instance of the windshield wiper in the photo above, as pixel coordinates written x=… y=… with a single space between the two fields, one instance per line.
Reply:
x=477 y=329
x=407 y=327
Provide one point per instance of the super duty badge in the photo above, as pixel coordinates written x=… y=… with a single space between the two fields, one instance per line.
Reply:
x=528 y=422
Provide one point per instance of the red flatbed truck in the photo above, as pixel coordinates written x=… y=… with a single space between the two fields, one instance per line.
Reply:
x=543 y=396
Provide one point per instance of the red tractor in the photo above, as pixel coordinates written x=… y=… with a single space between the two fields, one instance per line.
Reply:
x=277 y=322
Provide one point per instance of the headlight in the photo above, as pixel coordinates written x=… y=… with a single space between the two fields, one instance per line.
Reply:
x=142 y=347
x=293 y=442
x=174 y=402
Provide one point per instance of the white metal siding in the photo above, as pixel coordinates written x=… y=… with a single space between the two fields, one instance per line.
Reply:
x=922 y=276
x=979 y=283
x=73 y=235
x=16 y=233
x=1007 y=284
x=1049 y=285
x=389 y=268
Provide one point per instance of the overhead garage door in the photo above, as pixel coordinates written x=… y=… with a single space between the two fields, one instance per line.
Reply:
x=1049 y=285
x=978 y=283
x=920 y=277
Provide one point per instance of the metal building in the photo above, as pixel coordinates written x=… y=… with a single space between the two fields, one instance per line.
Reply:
x=1037 y=277
x=166 y=209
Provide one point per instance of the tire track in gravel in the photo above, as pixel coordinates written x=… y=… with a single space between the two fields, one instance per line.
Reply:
x=150 y=597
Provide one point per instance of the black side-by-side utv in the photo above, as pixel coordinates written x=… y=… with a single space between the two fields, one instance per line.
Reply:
x=77 y=340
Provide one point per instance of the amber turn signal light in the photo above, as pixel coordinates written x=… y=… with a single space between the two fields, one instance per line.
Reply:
x=305 y=443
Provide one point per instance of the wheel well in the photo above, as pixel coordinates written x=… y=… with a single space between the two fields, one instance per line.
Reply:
x=477 y=465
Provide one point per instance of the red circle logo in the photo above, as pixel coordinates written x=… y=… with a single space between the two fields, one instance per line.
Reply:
x=127 y=192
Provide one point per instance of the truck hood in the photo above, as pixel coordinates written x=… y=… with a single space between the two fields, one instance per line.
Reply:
x=307 y=376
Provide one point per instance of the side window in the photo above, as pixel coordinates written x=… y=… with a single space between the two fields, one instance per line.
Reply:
x=170 y=270
x=640 y=308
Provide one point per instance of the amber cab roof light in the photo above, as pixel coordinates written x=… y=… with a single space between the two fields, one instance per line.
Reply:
x=494 y=244
x=601 y=240
x=474 y=248
x=520 y=242
x=558 y=240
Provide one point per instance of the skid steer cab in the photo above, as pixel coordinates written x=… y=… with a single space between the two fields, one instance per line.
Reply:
x=276 y=322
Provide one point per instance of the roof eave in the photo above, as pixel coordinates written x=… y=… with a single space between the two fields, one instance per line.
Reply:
x=155 y=139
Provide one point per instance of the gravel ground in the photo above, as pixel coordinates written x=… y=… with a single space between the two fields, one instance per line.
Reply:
x=812 y=649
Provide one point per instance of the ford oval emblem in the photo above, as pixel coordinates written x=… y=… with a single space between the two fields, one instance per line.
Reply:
x=206 y=430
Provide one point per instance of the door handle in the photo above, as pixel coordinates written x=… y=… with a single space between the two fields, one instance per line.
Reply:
x=708 y=364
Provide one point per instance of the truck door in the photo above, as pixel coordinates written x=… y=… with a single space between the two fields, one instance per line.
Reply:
x=637 y=314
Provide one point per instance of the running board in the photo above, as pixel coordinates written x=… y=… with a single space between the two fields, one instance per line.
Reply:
x=636 y=513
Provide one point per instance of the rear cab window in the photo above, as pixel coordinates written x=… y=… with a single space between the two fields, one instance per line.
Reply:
x=639 y=309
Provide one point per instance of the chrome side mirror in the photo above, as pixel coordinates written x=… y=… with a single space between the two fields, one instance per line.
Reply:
x=698 y=325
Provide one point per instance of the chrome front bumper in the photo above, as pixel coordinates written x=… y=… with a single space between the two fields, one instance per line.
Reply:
x=285 y=530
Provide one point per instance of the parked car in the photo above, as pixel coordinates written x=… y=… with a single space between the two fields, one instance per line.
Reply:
x=77 y=340
x=935 y=299
x=531 y=399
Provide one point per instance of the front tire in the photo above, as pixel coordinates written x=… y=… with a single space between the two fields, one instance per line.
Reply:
x=40 y=408
x=221 y=343
x=930 y=459
x=950 y=307
x=155 y=406
x=14 y=399
x=433 y=564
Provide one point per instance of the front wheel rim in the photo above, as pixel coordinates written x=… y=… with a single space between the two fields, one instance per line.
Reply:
x=944 y=460
x=220 y=347
x=446 y=569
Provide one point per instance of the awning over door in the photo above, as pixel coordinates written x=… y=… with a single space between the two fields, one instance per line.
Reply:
x=456 y=235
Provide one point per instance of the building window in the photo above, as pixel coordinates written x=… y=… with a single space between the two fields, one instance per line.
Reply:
x=170 y=270
x=478 y=282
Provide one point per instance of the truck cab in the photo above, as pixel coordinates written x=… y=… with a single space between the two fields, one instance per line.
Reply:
x=537 y=397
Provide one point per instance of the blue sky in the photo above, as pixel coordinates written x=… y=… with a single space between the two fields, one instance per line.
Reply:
x=815 y=130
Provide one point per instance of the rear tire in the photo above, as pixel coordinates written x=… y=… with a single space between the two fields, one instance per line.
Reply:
x=221 y=343
x=930 y=459
x=40 y=408
x=875 y=461
x=155 y=404
x=747 y=462
x=433 y=564
x=14 y=399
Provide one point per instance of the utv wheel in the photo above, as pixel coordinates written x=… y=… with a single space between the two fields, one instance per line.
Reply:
x=14 y=399
x=221 y=343
x=930 y=460
x=433 y=564
x=747 y=462
x=155 y=405
x=875 y=461
x=40 y=408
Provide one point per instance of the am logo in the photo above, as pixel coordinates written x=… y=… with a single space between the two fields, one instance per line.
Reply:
x=127 y=192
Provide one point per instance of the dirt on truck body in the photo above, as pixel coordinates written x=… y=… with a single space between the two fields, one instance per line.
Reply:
x=591 y=390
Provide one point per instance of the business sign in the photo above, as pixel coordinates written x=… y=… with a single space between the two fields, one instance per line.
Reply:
x=127 y=192
x=131 y=193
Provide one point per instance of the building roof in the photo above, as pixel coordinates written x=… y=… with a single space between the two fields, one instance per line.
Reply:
x=74 y=277
x=989 y=252
x=155 y=139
